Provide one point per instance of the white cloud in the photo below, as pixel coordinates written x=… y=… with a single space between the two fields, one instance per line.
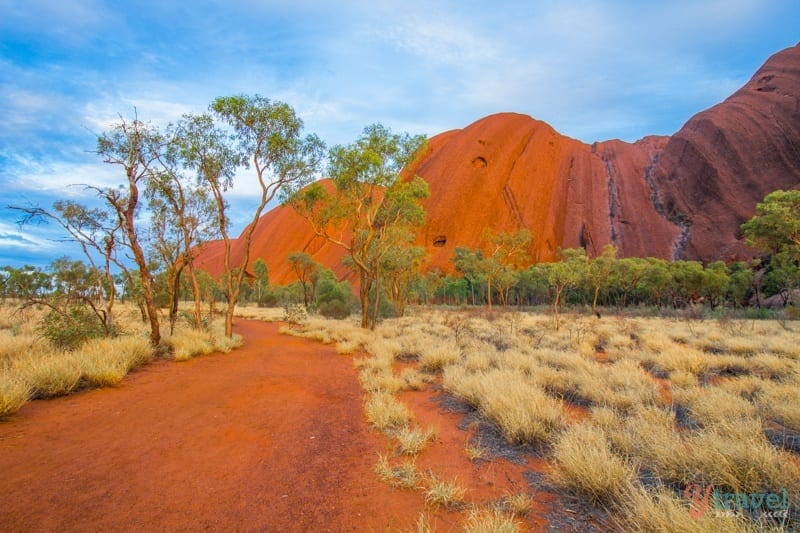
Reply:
x=13 y=238
x=448 y=40
x=61 y=178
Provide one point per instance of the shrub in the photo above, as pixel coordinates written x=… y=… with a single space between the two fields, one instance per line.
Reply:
x=71 y=329
x=337 y=309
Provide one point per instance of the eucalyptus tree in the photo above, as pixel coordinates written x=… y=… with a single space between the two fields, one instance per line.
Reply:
x=304 y=268
x=401 y=268
x=370 y=208
x=97 y=233
x=600 y=271
x=563 y=275
x=504 y=254
x=775 y=229
x=249 y=132
x=135 y=148
x=182 y=214
x=260 y=281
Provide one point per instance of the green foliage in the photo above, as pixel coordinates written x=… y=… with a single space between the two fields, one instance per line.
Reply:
x=370 y=199
x=306 y=270
x=24 y=282
x=740 y=276
x=334 y=298
x=261 y=281
x=775 y=227
x=70 y=328
x=337 y=309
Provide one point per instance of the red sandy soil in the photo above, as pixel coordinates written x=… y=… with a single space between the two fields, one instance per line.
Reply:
x=270 y=437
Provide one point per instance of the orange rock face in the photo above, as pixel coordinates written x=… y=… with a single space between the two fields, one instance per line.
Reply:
x=279 y=232
x=672 y=197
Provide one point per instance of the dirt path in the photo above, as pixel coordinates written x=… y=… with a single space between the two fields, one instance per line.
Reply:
x=270 y=437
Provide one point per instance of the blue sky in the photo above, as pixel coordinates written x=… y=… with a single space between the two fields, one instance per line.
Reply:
x=593 y=69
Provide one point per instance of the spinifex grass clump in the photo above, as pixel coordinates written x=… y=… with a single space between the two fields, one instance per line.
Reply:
x=385 y=412
x=14 y=393
x=441 y=492
x=585 y=465
x=491 y=521
x=403 y=475
x=659 y=510
x=522 y=409
x=412 y=440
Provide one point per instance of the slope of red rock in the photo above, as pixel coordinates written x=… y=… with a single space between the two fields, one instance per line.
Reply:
x=727 y=158
x=683 y=196
x=279 y=232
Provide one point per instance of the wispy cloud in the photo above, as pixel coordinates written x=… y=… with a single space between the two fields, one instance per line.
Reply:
x=12 y=237
x=593 y=69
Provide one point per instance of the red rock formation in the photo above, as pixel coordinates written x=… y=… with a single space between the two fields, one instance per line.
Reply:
x=683 y=196
x=724 y=160
x=509 y=172
x=279 y=232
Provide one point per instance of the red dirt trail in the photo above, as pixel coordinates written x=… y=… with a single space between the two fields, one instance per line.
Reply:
x=270 y=437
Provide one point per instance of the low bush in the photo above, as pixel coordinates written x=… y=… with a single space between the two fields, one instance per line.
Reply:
x=69 y=330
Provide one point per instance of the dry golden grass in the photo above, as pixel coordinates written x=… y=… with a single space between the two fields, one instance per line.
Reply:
x=518 y=503
x=585 y=465
x=711 y=406
x=189 y=343
x=411 y=441
x=253 y=312
x=14 y=393
x=377 y=379
x=658 y=511
x=491 y=521
x=107 y=361
x=385 y=412
x=736 y=455
x=520 y=408
x=436 y=357
x=423 y=525
x=439 y=492
x=412 y=379
x=403 y=475
x=647 y=436
x=475 y=450
x=729 y=377
x=781 y=402
x=31 y=368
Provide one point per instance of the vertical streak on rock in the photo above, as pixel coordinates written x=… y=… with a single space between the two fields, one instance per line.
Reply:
x=680 y=243
x=512 y=205
x=654 y=198
x=613 y=199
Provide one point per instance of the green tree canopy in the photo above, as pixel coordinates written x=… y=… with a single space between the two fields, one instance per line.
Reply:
x=775 y=227
x=371 y=209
